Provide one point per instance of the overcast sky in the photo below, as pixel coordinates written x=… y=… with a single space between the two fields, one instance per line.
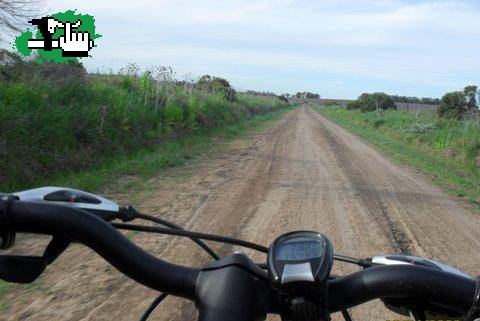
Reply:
x=338 y=48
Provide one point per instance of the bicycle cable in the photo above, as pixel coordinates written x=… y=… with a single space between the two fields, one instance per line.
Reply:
x=185 y=233
x=175 y=230
x=133 y=214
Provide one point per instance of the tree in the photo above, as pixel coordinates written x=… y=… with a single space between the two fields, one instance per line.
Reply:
x=311 y=95
x=14 y=14
x=382 y=101
x=453 y=105
x=217 y=84
x=415 y=100
x=306 y=94
x=370 y=102
x=471 y=93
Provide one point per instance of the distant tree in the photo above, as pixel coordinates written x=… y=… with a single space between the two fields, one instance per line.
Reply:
x=216 y=84
x=306 y=94
x=453 y=105
x=382 y=101
x=262 y=93
x=370 y=102
x=470 y=94
x=430 y=101
x=415 y=100
x=283 y=98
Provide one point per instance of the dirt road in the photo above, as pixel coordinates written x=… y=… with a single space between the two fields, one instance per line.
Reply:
x=304 y=173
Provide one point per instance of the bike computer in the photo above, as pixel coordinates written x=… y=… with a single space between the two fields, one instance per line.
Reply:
x=299 y=264
x=300 y=258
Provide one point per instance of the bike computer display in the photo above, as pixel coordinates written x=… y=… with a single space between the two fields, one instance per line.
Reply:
x=299 y=249
x=300 y=257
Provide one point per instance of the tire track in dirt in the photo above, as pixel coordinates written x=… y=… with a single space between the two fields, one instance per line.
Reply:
x=227 y=207
x=400 y=241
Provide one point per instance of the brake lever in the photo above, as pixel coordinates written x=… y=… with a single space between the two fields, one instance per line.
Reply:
x=26 y=269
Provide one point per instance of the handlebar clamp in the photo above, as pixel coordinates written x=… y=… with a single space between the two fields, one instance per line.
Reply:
x=7 y=235
x=305 y=306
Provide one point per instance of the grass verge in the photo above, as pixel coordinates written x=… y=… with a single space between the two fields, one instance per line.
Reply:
x=444 y=152
x=147 y=162
x=59 y=118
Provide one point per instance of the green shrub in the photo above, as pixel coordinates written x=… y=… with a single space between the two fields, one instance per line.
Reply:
x=453 y=105
x=378 y=122
x=50 y=125
x=332 y=104
x=355 y=104
x=217 y=85
x=370 y=102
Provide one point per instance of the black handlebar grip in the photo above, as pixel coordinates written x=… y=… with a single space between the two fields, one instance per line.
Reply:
x=438 y=287
x=232 y=294
x=83 y=227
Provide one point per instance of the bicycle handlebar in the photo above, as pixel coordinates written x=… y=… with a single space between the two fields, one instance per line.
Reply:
x=90 y=230
x=438 y=287
x=415 y=282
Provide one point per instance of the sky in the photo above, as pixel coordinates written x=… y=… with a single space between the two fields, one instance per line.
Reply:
x=336 y=48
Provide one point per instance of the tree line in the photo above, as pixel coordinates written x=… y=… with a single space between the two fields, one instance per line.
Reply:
x=370 y=102
x=305 y=94
x=395 y=98
x=452 y=105
x=415 y=100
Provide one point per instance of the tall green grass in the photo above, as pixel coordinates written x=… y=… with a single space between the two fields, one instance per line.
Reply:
x=56 y=121
x=448 y=150
x=128 y=171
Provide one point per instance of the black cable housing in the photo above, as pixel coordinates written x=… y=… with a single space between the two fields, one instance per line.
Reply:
x=221 y=239
x=129 y=213
x=153 y=306
x=204 y=236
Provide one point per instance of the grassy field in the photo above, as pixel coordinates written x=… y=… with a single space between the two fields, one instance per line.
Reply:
x=57 y=119
x=146 y=162
x=448 y=151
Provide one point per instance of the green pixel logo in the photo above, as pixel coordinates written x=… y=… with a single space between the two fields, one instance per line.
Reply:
x=60 y=37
